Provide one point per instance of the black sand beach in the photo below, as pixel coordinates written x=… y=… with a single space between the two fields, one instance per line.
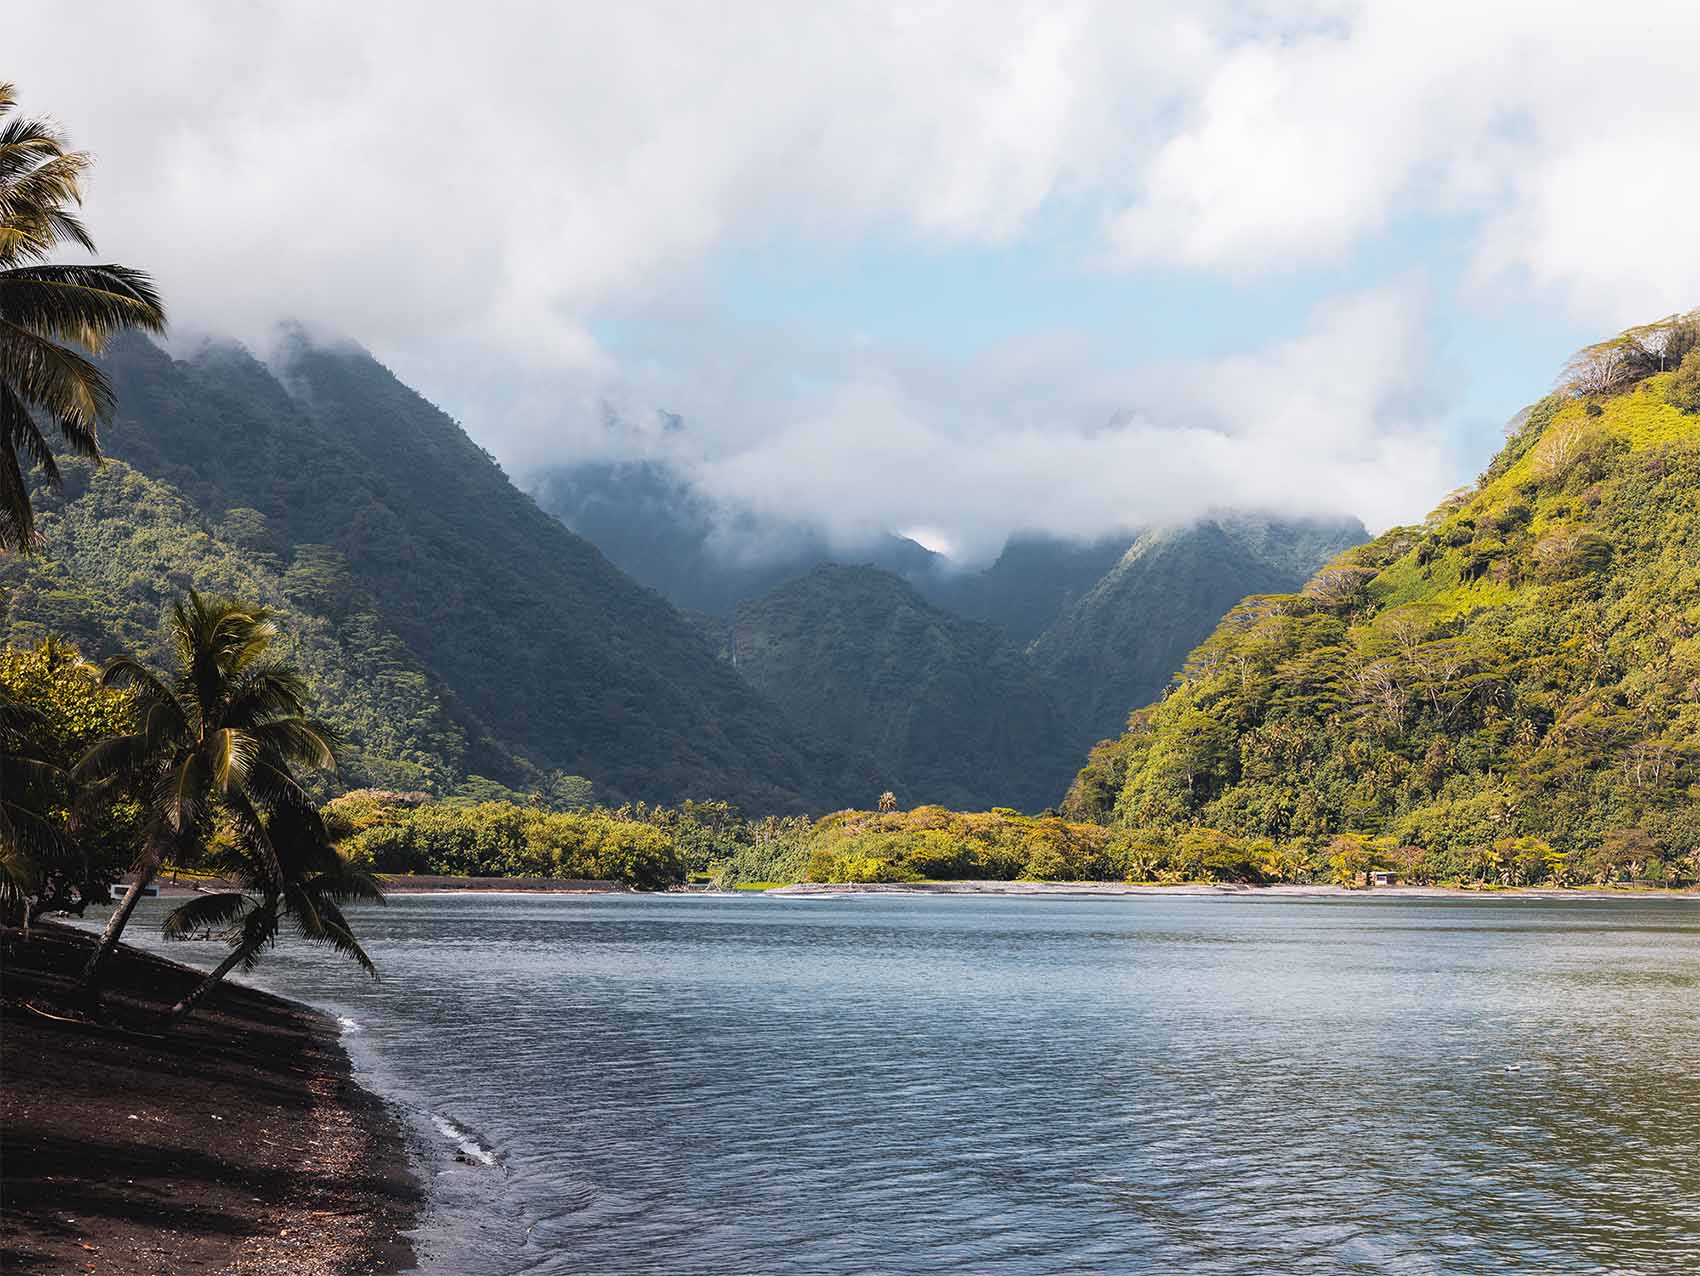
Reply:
x=236 y=1143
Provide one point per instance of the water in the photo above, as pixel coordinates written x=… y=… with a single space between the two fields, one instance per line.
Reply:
x=898 y=1084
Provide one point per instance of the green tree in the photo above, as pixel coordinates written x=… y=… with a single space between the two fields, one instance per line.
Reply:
x=52 y=708
x=217 y=742
x=51 y=314
x=293 y=872
x=1353 y=857
x=1684 y=391
x=30 y=842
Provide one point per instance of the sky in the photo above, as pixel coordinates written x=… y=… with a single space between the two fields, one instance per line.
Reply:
x=955 y=269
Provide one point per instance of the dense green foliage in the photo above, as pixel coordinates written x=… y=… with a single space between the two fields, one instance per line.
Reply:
x=119 y=544
x=932 y=842
x=947 y=707
x=1525 y=665
x=395 y=833
x=53 y=709
x=1119 y=644
x=449 y=627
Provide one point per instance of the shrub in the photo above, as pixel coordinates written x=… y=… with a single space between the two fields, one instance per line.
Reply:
x=1684 y=390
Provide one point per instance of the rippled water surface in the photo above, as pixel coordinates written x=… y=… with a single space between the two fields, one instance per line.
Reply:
x=900 y=1084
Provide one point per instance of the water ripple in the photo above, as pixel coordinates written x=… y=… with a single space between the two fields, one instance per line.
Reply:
x=916 y=1085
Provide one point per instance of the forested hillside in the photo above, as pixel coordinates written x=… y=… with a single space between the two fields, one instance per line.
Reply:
x=947 y=707
x=122 y=547
x=452 y=628
x=1118 y=645
x=1524 y=664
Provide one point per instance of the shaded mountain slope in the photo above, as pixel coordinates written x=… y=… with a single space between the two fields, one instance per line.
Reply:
x=1032 y=583
x=543 y=653
x=1117 y=647
x=948 y=707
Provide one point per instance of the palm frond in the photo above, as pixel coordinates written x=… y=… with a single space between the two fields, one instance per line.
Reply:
x=261 y=692
x=230 y=753
x=181 y=794
x=347 y=884
x=59 y=382
x=205 y=913
x=83 y=304
x=255 y=836
x=122 y=671
x=320 y=921
x=39 y=179
x=17 y=516
x=19 y=433
x=115 y=757
x=299 y=741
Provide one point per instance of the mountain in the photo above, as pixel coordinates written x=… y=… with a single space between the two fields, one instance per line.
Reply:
x=1117 y=646
x=1526 y=663
x=1103 y=623
x=948 y=707
x=511 y=648
x=658 y=529
x=1030 y=585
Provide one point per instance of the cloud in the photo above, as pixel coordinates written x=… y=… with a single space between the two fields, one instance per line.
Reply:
x=1340 y=420
x=474 y=195
x=1557 y=135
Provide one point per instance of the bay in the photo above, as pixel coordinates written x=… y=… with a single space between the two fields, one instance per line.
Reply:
x=904 y=1084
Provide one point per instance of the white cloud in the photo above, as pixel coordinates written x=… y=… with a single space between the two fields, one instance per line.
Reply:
x=1562 y=130
x=470 y=191
x=1339 y=420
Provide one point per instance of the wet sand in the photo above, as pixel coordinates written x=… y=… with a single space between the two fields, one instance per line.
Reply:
x=237 y=1142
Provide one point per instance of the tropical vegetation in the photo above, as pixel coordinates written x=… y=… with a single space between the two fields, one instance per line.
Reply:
x=1516 y=679
x=214 y=745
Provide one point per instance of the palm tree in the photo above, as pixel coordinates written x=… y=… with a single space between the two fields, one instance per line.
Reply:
x=299 y=873
x=217 y=742
x=48 y=311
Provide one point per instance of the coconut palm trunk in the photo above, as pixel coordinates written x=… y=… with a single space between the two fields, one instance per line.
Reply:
x=237 y=956
x=110 y=934
x=114 y=930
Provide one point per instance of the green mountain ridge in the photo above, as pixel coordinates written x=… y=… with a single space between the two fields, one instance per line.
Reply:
x=1526 y=663
x=506 y=639
x=1118 y=645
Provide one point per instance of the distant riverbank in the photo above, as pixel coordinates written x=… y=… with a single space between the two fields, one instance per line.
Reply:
x=423 y=884
x=1220 y=888
x=238 y=1141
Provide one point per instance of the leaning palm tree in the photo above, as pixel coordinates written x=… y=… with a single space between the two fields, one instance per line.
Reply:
x=297 y=874
x=52 y=316
x=217 y=742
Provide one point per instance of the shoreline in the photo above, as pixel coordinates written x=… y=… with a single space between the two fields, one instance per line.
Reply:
x=238 y=1142
x=1229 y=889
x=170 y=887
